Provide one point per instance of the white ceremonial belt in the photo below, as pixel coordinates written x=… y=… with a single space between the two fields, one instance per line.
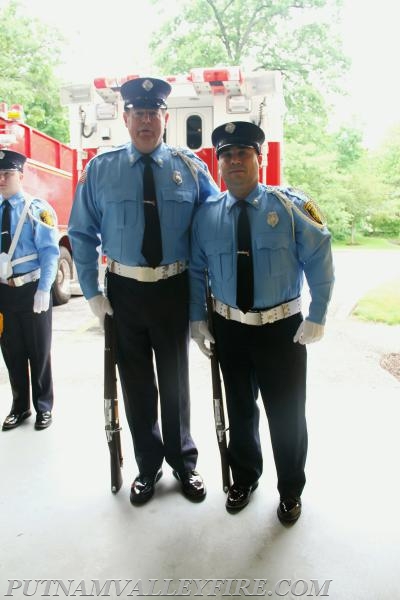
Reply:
x=147 y=274
x=260 y=317
x=19 y=280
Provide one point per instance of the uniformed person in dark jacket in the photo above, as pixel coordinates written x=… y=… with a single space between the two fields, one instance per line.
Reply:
x=257 y=243
x=28 y=267
x=140 y=198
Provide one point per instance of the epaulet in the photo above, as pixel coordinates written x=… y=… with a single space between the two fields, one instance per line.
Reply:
x=304 y=206
x=215 y=198
x=97 y=158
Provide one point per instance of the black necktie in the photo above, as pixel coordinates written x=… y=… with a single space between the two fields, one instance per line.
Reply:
x=5 y=227
x=152 y=244
x=245 y=283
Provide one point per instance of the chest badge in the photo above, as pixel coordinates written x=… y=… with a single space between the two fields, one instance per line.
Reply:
x=177 y=177
x=272 y=218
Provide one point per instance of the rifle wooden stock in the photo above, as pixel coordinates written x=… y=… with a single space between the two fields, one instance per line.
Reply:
x=218 y=401
x=111 y=417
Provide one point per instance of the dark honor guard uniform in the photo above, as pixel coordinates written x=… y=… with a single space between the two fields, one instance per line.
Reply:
x=257 y=243
x=28 y=267
x=141 y=198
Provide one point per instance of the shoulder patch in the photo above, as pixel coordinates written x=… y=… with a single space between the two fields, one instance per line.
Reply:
x=314 y=211
x=46 y=217
x=83 y=177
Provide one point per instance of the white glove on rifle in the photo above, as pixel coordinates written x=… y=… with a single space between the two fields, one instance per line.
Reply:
x=100 y=307
x=41 y=301
x=200 y=333
x=309 y=332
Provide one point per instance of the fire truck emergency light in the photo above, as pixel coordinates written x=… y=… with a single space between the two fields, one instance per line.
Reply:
x=76 y=94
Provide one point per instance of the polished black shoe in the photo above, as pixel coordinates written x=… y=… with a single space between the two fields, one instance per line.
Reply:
x=239 y=496
x=289 y=510
x=142 y=489
x=14 y=419
x=192 y=484
x=43 y=419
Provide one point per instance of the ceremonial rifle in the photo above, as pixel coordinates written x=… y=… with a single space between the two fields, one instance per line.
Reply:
x=112 y=426
x=218 y=401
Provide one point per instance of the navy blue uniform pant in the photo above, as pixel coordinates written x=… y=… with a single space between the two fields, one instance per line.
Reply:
x=265 y=358
x=26 y=348
x=152 y=338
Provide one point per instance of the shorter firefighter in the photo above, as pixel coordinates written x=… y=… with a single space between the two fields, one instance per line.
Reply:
x=28 y=267
x=257 y=243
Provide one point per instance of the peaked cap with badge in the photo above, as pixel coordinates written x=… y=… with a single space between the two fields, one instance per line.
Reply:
x=145 y=92
x=11 y=160
x=237 y=133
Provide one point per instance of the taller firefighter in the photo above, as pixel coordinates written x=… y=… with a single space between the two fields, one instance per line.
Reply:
x=145 y=186
x=28 y=267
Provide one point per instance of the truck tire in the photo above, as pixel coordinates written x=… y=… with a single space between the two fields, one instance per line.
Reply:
x=62 y=285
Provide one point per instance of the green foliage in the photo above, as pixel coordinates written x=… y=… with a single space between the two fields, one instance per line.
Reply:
x=349 y=148
x=29 y=53
x=297 y=38
x=388 y=159
x=353 y=187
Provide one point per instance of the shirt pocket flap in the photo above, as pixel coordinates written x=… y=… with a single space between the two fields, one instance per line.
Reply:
x=178 y=195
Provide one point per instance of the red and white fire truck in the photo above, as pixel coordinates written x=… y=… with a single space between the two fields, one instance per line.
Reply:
x=199 y=102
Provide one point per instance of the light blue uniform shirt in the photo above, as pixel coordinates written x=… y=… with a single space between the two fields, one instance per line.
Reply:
x=37 y=237
x=108 y=205
x=287 y=243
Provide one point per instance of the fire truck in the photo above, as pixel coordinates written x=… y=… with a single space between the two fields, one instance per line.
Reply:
x=199 y=101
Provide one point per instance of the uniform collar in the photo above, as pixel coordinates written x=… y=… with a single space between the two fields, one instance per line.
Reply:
x=253 y=198
x=13 y=199
x=158 y=155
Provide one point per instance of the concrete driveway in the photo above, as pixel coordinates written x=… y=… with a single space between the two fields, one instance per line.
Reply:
x=60 y=521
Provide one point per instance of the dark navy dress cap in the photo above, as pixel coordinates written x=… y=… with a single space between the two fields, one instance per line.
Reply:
x=11 y=161
x=145 y=92
x=237 y=133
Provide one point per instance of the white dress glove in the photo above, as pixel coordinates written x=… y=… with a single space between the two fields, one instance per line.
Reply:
x=309 y=332
x=200 y=333
x=41 y=301
x=100 y=306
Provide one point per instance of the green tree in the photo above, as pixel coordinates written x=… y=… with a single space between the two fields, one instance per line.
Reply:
x=29 y=53
x=297 y=37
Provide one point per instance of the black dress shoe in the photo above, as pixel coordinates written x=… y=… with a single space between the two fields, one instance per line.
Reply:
x=14 y=419
x=43 y=419
x=142 y=488
x=289 y=510
x=192 y=484
x=239 y=496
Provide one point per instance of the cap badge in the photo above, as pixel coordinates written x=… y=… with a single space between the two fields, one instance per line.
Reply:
x=147 y=85
x=230 y=127
x=2 y=155
x=177 y=177
x=272 y=218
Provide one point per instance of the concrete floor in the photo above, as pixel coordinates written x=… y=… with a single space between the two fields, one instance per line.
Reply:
x=59 y=520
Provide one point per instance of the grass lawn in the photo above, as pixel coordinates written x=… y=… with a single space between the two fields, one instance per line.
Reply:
x=381 y=305
x=368 y=243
